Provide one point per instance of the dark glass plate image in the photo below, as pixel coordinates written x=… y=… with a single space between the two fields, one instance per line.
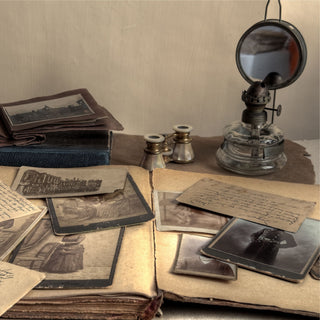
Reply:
x=275 y=252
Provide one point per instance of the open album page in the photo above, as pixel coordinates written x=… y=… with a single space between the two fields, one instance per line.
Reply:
x=250 y=288
x=135 y=272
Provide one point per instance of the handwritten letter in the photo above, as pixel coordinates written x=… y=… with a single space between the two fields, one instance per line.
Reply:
x=13 y=205
x=264 y=208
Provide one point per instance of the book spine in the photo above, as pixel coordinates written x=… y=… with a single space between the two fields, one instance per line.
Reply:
x=78 y=158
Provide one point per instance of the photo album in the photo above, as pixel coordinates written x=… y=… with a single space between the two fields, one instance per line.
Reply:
x=119 y=239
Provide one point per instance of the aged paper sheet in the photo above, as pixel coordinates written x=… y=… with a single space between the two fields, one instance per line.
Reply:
x=15 y=282
x=46 y=182
x=260 y=207
x=13 y=231
x=13 y=205
x=251 y=288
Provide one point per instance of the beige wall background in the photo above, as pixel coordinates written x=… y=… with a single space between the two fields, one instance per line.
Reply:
x=153 y=64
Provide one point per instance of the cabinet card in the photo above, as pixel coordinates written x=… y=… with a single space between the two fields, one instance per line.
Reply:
x=174 y=216
x=190 y=261
x=47 y=182
x=275 y=252
x=90 y=213
x=73 y=261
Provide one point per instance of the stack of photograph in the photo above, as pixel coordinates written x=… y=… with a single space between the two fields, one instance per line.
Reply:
x=262 y=232
x=114 y=242
x=85 y=241
x=68 y=129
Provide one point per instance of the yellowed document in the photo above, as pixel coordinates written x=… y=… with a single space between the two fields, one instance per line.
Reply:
x=13 y=205
x=48 y=182
x=261 y=207
x=15 y=283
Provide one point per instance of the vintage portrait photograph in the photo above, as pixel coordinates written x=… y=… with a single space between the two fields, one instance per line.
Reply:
x=190 y=261
x=272 y=251
x=71 y=261
x=174 y=216
x=90 y=213
x=13 y=231
x=32 y=182
x=47 y=111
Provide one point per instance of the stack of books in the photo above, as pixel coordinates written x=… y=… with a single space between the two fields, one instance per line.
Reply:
x=69 y=129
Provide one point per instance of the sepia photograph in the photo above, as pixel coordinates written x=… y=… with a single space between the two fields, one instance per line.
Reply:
x=36 y=113
x=98 y=212
x=275 y=252
x=13 y=231
x=32 y=182
x=174 y=216
x=71 y=261
x=74 y=107
x=190 y=261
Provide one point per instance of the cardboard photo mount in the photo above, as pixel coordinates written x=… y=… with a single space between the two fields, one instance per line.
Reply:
x=286 y=255
x=109 y=212
x=70 y=262
x=143 y=275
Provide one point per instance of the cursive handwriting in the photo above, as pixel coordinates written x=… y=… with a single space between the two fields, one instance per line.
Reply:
x=264 y=208
x=11 y=203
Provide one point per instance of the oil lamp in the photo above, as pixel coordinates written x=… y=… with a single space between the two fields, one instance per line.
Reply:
x=270 y=55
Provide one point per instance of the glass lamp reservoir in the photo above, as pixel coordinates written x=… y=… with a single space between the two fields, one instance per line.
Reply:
x=253 y=146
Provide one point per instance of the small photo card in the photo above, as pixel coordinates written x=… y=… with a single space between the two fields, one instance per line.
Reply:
x=90 y=213
x=34 y=182
x=48 y=111
x=174 y=216
x=275 y=252
x=190 y=261
x=74 y=107
x=86 y=260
